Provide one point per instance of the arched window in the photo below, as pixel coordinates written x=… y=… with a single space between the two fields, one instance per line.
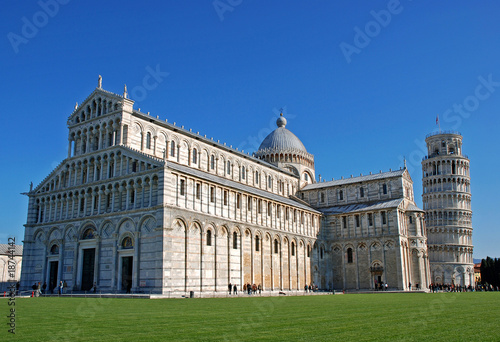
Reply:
x=172 y=148
x=148 y=140
x=349 y=255
x=306 y=177
x=270 y=182
x=293 y=248
x=209 y=238
x=235 y=240
x=256 y=177
x=127 y=243
x=54 y=249
x=257 y=243
x=212 y=162
x=308 y=251
x=276 y=246
x=243 y=172
x=361 y=192
x=195 y=156
x=88 y=234
x=228 y=170
x=341 y=195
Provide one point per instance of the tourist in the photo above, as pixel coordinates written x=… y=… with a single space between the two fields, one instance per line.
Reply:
x=386 y=286
x=305 y=288
x=235 y=289
x=61 y=285
x=44 y=287
x=95 y=287
x=230 y=287
x=260 y=289
x=409 y=286
x=39 y=289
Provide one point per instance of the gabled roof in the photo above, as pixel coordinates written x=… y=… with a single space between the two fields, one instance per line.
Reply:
x=4 y=249
x=97 y=91
x=371 y=206
x=359 y=179
x=238 y=186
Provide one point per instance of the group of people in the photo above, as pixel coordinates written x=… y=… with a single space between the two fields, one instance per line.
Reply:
x=450 y=288
x=381 y=286
x=248 y=288
x=310 y=288
x=39 y=289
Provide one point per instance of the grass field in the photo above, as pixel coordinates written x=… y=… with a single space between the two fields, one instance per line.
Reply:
x=351 y=317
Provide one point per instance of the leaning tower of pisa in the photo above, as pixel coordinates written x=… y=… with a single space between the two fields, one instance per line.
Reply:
x=447 y=203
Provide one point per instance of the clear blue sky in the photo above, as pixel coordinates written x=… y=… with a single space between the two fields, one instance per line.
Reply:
x=361 y=82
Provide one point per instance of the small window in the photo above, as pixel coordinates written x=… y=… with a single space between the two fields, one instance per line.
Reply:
x=270 y=182
x=195 y=156
x=411 y=219
x=361 y=192
x=357 y=220
x=172 y=148
x=276 y=246
x=257 y=177
x=278 y=211
x=384 y=189
x=293 y=248
x=370 y=219
x=198 y=191
x=243 y=172
x=249 y=203
x=269 y=208
x=341 y=195
x=209 y=238
x=228 y=168
x=384 y=220
x=259 y=206
x=225 y=197
x=182 y=187
x=212 y=162
x=322 y=198
x=344 y=221
x=238 y=201
x=148 y=140
x=257 y=243
x=212 y=194
x=308 y=251
x=349 y=255
x=321 y=252
x=235 y=240
x=306 y=177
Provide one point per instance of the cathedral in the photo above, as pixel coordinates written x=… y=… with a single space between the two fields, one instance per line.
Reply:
x=145 y=206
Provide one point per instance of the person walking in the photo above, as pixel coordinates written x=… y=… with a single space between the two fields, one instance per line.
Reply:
x=230 y=287
x=61 y=286
x=235 y=289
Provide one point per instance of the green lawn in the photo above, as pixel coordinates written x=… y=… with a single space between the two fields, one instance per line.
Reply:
x=351 y=317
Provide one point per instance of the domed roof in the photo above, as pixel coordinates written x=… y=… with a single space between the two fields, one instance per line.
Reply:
x=281 y=139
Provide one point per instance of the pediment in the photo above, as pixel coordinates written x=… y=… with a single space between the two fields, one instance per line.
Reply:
x=100 y=102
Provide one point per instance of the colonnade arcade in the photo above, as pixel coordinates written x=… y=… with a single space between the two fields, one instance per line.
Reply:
x=136 y=193
x=95 y=137
x=211 y=256
x=448 y=166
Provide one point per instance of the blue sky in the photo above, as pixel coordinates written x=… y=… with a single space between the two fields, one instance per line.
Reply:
x=360 y=82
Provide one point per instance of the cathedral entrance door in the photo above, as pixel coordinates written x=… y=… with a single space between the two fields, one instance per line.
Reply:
x=88 y=269
x=127 y=273
x=53 y=275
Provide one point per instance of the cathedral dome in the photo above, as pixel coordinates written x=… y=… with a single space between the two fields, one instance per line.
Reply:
x=282 y=140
